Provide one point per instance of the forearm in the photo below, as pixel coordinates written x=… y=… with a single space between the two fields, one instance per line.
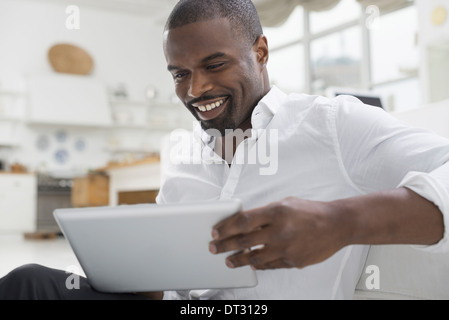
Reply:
x=399 y=216
x=296 y=233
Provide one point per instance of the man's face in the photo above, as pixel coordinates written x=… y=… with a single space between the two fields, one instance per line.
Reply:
x=217 y=76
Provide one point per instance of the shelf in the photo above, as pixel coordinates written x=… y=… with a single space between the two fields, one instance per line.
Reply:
x=131 y=103
x=15 y=94
x=128 y=150
x=163 y=104
x=11 y=119
x=9 y=145
x=68 y=124
x=130 y=126
x=150 y=159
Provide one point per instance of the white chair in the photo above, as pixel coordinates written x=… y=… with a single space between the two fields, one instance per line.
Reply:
x=404 y=271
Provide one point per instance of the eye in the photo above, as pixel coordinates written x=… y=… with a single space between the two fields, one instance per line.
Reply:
x=215 y=66
x=179 y=76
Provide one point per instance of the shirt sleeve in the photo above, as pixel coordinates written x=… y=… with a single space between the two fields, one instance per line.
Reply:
x=434 y=187
x=380 y=152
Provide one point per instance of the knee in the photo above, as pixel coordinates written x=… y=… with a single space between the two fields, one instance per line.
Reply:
x=26 y=272
x=24 y=282
x=23 y=277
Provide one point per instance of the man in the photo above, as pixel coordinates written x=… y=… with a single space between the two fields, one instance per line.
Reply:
x=343 y=175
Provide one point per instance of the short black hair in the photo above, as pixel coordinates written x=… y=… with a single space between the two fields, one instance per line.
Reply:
x=242 y=15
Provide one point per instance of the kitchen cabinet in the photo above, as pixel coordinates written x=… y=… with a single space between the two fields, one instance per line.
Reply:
x=141 y=177
x=129 y=114
x=12 y=114
x=63 y=99
x=164 y=115
x=18 y=198
x=139 y=126
x=157 y=115
x=12 y=105
x=90 y=191
x=9 y=133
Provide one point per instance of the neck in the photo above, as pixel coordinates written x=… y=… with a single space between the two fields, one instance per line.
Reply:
x=226 y=146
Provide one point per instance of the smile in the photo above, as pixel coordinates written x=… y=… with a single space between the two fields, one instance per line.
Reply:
x=210 y=106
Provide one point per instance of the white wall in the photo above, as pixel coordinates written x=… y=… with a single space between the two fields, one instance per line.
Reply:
x=429 y=34
x=125 y=48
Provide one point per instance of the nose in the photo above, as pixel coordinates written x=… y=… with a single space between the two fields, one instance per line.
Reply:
x=199 y=85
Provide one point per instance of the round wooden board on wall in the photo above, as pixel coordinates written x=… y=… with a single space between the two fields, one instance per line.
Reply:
x=68 y=58
x=439 y=15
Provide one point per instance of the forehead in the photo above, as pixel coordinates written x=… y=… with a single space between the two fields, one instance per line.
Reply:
x=200 y=39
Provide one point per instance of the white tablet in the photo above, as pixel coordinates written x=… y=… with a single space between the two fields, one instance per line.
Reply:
x=151 y=247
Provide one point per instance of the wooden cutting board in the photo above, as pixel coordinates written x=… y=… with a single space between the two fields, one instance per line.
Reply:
x=68 y=58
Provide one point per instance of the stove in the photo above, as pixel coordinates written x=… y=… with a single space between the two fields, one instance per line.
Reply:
x=49 y=184
x=52 y=193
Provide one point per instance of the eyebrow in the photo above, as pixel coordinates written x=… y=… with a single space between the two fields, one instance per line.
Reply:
x=213 y=56
x=207 y=59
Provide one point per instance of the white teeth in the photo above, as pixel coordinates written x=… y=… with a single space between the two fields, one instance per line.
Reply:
x=209 y=107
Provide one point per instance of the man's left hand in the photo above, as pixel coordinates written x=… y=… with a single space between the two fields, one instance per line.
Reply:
x=292 y=233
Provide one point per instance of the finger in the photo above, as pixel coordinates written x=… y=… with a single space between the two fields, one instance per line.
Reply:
x=276 y=264
x=256 y=258
x=240 y=241
x=241 y=222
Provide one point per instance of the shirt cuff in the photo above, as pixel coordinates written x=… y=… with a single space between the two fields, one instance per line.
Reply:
x=176 y=295
x=433 y=190
x=190 y=294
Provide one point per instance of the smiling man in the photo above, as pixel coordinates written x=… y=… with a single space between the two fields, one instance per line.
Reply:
x=224 y=75
x=348 y=175
x=219 y=73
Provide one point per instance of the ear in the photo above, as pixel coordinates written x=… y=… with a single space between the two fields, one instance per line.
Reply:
x=261 y=48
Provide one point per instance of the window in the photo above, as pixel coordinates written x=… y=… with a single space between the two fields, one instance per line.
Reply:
x=336 y=60
x=286 y=68
x=345 y=11
x=292 y=30
x=395 y=58
x=394 y=51
x=312 y=51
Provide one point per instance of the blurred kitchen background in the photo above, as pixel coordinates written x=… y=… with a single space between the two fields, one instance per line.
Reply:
x=86 y=100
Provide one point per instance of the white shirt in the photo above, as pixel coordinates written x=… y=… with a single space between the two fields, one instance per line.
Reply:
x=321 y=149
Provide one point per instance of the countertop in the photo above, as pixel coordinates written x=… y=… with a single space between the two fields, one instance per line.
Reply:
x=11 y=172
x=120 y=165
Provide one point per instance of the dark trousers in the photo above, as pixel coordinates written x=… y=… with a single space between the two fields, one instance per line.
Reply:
x=36 y=282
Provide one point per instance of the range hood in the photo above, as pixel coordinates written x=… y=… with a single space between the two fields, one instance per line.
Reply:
x=66 y=99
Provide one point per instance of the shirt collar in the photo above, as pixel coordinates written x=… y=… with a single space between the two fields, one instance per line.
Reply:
x=267 y=108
